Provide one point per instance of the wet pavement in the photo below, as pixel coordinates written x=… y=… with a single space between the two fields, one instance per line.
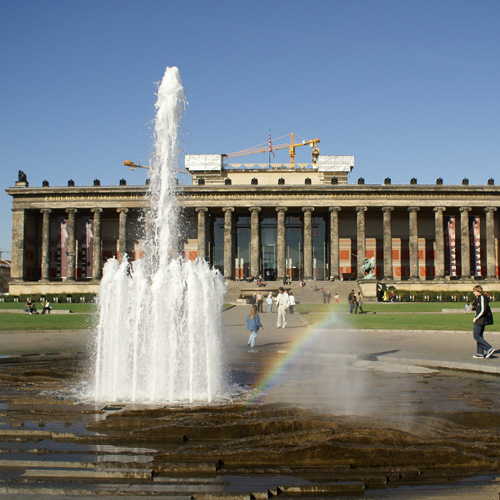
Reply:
x=319 y=413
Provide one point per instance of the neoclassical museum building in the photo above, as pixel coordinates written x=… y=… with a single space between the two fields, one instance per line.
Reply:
x=271 y=220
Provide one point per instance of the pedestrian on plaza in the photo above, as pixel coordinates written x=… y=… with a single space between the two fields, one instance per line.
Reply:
x=328 y=296
x=253 y=299
x=260 y=300
x=336 y=298
x=351 y=298
x=291 y=302
x=253 y=324
x=282 y=302
x=270 y=301
x=482 y=318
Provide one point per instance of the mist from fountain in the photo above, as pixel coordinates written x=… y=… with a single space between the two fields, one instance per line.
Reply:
x=159 y=333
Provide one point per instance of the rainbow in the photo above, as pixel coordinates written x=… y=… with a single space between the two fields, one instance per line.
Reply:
x=283 y=361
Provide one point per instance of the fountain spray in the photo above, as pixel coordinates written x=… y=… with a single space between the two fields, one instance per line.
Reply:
x=160 y=317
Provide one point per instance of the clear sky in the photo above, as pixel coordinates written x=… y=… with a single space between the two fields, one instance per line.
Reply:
x=411 y=88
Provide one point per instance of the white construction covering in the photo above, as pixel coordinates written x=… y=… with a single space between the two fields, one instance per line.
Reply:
x=329 y=163
x=203 y=163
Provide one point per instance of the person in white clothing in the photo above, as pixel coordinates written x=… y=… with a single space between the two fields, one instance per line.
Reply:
x=270 y=301
x=282 y=303
x=291 y=303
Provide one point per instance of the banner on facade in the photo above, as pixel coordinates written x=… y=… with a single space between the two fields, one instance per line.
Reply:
x=450 y=247
x=62 y=247
x=87 y=247
x=475 y=236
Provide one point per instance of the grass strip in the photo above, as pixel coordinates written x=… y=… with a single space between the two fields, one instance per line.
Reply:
x=15 y=322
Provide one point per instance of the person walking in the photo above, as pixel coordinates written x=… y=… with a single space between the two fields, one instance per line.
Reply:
x=270 y=301
x=482 y=318
x=351 y=298
x=253 y=325
x=359 y=304
x=291 y=302
x=260 y=300
x=282 y=302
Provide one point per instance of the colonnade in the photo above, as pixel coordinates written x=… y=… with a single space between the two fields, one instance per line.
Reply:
x=334 y=238
x=19 y=220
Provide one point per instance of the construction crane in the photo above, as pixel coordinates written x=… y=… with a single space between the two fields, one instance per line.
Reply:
x=268 y=147
x=132 y=165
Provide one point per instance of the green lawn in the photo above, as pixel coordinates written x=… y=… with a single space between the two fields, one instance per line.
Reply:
x=15 y=321
x=335 y=316
x=385 y=307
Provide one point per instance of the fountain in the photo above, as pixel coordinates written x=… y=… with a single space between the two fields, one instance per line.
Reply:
x=158 y=336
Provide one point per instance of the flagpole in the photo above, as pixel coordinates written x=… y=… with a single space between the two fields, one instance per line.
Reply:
x=269 y=149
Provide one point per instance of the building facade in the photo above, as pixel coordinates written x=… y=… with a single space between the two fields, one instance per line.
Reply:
x=269 y=221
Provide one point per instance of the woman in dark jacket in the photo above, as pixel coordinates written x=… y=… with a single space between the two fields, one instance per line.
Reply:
x=482 y=318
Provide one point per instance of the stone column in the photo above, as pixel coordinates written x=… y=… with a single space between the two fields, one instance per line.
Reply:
x=17 y=256
x=439 y=239
x=334 y=242
x=388 y=273
x=96 y=247
x=308 y=243
x=254 y=241
x=281 y=257
x=361 y=237
x=122 y=233
x=465 y=241
x=202 y=232
x=45 y=243
x=228 y=243
x=71 y=244
x=491 y=265
x=414 y=274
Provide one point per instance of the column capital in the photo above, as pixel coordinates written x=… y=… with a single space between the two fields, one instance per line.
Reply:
x=122 y=210
x=308 y=209
x=70 y=210
x=439 y=209
x=96 y=210
x=334 y=209
x=227 y=209
x=490 y=209
x=201 y=209
x=46 y=211
x=254 y=209
x=413 y=209
x=387 y=209
x=465 y=209
x=361 y=209
x=281 y=209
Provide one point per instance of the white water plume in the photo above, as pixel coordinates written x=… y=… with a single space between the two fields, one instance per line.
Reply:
x=158 y=337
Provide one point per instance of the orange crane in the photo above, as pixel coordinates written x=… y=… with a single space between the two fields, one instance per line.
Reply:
x=266 y=147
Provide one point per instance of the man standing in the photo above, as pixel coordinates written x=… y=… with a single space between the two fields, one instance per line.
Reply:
x=352 y=301
x=260 y=300
x=282 y=302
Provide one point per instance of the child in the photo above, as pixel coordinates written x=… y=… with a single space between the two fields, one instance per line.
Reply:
x=253 y=324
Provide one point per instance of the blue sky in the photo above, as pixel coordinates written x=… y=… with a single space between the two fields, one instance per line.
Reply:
x=411 y=88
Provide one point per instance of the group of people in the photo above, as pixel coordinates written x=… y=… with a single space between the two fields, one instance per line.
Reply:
x=355 y=302
x=284 y=303
x=30 y=307
x=388 y=297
